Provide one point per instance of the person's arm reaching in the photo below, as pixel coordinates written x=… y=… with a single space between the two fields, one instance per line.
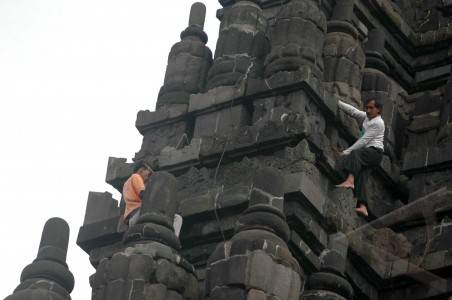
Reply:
x=352 y=111
x=371 y=133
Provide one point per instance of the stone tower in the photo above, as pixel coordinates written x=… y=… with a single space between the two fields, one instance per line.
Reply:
x=246 y=146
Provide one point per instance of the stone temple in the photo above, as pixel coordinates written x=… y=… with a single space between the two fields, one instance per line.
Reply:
x=262 y=217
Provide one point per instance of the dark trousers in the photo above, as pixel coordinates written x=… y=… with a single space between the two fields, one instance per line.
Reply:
x=360 y=163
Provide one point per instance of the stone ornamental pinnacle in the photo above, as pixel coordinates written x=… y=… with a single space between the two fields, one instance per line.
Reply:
x=256 y=262
x=188 y=62
x=197 y=15
x=48 y=276
x=246 y=148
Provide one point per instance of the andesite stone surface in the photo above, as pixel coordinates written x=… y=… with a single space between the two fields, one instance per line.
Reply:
x=246 y=147
x=252 y=139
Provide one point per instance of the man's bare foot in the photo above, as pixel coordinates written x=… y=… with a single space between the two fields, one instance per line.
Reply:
x=362 y=210
x=346 y=184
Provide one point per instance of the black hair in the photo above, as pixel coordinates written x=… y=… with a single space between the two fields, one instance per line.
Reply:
x=140 y=164
x=378 y=103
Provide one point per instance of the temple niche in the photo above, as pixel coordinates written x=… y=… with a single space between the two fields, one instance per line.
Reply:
x=246 y=146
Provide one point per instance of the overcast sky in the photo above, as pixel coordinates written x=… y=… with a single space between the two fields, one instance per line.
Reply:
x=73 y=75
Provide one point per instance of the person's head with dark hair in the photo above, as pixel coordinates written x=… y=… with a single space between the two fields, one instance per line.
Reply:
x=143 y=169
x=374 y=107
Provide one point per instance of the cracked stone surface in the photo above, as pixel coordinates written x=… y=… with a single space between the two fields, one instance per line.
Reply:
x=247 y=146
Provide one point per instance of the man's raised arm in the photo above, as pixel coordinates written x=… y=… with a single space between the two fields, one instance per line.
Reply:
x=352 y=111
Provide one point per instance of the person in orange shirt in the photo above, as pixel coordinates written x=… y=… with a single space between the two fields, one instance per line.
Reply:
x=132 y=191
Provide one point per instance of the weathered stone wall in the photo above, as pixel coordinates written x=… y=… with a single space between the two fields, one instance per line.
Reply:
x=422 y=15
x=294 y=56
x=270 y=100
x=241 y=47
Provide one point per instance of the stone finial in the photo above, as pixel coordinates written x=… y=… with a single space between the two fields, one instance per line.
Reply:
x=197 y=15
x=180 y=82
x=48 y=276
x=159 y=205
x=196 y=21
x=54 y=241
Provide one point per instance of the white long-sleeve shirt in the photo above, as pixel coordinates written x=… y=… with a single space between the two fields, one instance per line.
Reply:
x=374 y=129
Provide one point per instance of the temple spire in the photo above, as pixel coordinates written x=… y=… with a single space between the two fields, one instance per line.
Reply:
x=188 y=62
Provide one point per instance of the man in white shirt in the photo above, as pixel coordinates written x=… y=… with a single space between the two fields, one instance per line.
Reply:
x=366 y=152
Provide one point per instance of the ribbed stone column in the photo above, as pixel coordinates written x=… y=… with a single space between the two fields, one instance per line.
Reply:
x=256 y=263
x=343 y=55
x=48 y=277
x=150 y=266
x=330 y=282
x=241 y=47
x=296 y=56
x=188 y=62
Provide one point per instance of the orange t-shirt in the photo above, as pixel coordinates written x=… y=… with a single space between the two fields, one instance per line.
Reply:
x=131 y=193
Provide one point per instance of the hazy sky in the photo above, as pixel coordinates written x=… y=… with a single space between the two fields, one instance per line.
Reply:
x=73 y=75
